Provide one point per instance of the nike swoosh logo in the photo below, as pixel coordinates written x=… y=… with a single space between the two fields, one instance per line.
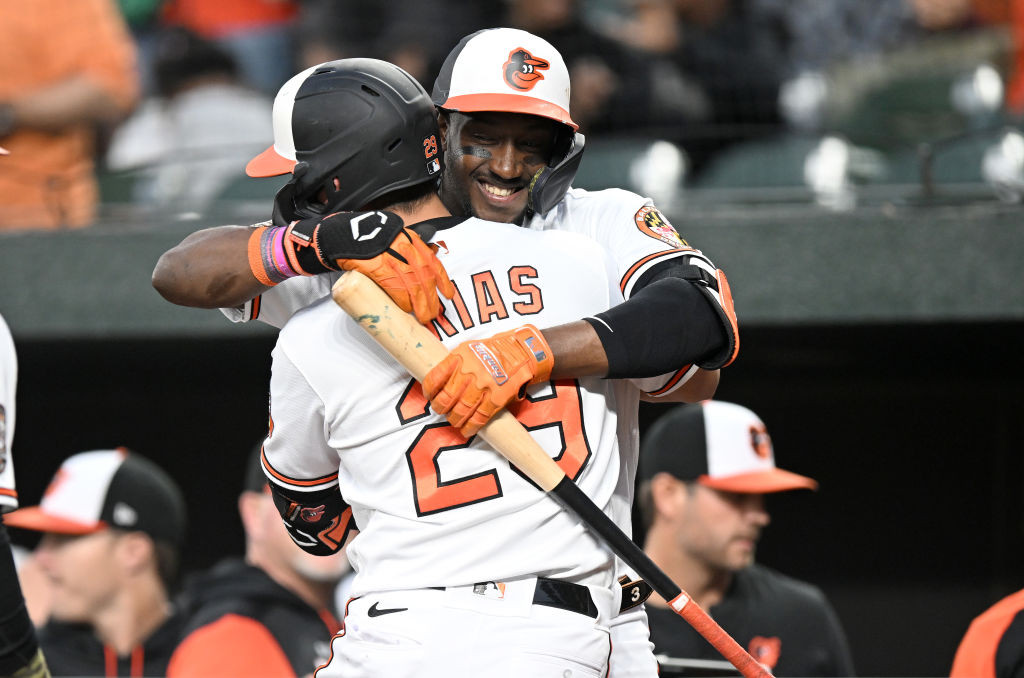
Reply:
x=374 y=611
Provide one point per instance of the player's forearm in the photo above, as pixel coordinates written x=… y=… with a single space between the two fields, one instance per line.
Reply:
x=577 y=350
x=208 y=269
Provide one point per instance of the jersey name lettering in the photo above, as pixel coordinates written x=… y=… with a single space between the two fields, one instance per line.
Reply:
x=488 y=302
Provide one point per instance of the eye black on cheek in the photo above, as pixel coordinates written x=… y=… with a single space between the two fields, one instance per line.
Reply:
x=476 y=151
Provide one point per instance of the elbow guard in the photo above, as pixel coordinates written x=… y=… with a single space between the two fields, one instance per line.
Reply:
x=319 y=522
x=682 y=314
x=712 y=282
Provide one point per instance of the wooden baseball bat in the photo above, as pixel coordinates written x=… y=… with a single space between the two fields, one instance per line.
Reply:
x=413 y=345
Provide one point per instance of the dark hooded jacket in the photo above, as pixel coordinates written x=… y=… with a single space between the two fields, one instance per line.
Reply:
x=240 y=622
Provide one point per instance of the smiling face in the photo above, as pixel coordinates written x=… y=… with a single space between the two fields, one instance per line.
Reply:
x=490 y=159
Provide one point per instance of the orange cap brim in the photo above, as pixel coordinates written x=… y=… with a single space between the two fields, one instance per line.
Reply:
x=508 y=103
x=760 y=482
x=269 y=163
x=34 y=518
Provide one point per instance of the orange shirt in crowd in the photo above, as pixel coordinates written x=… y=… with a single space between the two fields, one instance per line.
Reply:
x=216 y=19
x=48 y=180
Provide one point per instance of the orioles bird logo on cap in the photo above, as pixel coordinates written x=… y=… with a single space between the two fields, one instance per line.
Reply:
x=761 y=442
x=521 y=69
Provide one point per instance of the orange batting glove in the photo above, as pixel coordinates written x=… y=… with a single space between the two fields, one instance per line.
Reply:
x=410 y=272
x=480 y=377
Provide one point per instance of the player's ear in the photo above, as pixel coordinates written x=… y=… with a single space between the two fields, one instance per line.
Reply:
x=668 y=494
x=136 y=551
x=249 y=511
x=442 y=124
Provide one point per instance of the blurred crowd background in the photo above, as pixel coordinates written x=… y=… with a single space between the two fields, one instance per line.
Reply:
x=811 y=100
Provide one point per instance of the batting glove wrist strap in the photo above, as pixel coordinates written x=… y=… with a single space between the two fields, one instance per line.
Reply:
x=268 y=258
x=480 y=377
x=320 y=245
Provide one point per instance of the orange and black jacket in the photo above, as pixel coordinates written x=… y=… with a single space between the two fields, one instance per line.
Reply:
x=243 y=623
x=73 y=650
x=993 y=646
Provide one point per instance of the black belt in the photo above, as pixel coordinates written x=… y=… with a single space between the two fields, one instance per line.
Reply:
x=563 y=595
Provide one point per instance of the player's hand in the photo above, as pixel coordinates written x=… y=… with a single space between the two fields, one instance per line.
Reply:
x=410 y=272
x=378 y=245
x=480 y=377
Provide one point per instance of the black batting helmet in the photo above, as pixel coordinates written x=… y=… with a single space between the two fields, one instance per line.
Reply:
x=349 y=131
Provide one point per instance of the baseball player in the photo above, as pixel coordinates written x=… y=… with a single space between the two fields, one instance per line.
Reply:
x=705 y=469
x=455 y=547
x=19 y=648
x=495 y=148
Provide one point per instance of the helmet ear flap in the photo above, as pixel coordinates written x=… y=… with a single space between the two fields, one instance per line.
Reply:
x=550 y=183
x=288 y=206
x=284 y=205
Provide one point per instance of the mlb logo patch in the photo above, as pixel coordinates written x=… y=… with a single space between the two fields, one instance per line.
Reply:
x=538 y=353
x=434 y=166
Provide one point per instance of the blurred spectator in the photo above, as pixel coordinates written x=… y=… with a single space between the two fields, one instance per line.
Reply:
x=816 y=35
x=143 y=20
x=615 y=88
x=69 y=67
x=257 y=33
x=704 y=471
x=993 y=646
x=272 y=610
x=113 y=523
x=194 y=138
x=394 y=31
x=1008 y=13
x=724 y=51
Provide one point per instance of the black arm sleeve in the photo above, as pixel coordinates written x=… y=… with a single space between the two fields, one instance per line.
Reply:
x=319 y=522
x=19 y=649
x=667 y=324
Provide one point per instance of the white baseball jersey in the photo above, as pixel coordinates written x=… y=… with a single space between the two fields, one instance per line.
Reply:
x=637 y=237
x=432 y=508
x=628 y=226
x=8 y=381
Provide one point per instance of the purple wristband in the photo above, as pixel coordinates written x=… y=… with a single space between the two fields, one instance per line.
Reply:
x=275 y=262
x=280 y=258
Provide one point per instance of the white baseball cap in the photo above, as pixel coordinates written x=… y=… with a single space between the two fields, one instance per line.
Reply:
x=96 y=490
x=720 y=445
x=505 y=70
